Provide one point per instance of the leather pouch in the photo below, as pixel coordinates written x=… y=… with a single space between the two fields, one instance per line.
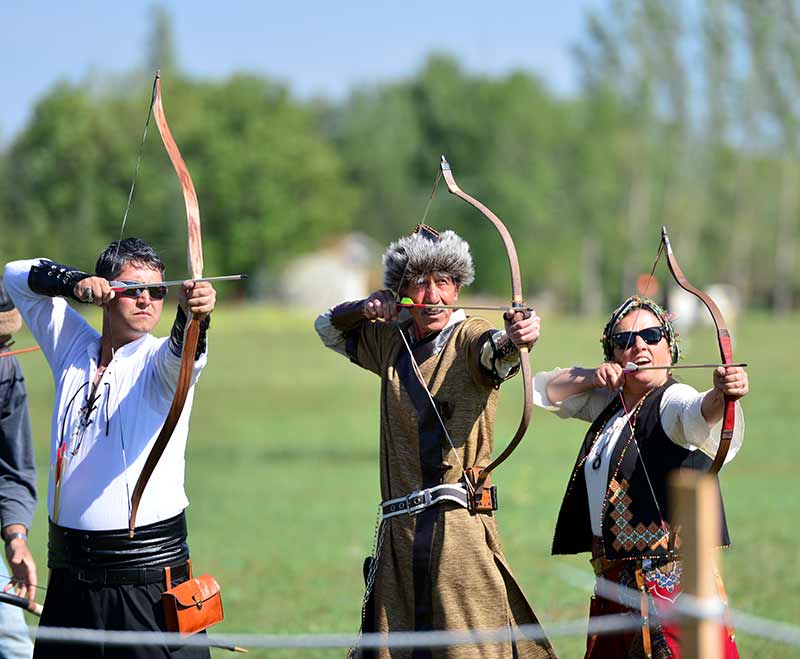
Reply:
x=192 y=606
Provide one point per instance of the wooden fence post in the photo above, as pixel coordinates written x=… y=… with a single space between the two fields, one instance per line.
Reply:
x=695 y=505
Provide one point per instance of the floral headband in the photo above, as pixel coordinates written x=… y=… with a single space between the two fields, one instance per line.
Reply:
x=631 y=304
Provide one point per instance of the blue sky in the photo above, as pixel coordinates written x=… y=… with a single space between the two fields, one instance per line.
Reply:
x=317 y=48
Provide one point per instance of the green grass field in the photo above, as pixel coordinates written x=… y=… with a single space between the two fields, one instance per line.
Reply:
x=282 y=476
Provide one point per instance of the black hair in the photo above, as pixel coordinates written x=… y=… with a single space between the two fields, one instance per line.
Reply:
x=123 y=252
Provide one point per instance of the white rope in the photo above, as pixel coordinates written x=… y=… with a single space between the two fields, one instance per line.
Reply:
x=686 y=607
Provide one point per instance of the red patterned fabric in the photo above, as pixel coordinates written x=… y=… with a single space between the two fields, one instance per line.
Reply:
x=663 y=584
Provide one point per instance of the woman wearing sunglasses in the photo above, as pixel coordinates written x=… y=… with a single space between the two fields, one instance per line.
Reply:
x=643 y=425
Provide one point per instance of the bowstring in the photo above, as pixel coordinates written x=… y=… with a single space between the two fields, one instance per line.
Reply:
x=21 y=582
x=650 y=278
x=414 y=364
x=116 y=253
x=136 y=167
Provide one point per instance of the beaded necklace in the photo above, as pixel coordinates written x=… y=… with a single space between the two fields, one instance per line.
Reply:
x=598 y=460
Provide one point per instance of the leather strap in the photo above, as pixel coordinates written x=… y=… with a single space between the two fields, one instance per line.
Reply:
x=723 y=596
x=419 y=500
x=645 y=606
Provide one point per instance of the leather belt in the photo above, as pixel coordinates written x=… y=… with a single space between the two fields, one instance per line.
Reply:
x=419 y=500
x=134 y=576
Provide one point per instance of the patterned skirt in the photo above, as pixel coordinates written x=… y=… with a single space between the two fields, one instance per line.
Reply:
x=659 y=641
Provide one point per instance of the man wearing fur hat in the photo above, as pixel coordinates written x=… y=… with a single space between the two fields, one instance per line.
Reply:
x=436 y=565
x=17 y=486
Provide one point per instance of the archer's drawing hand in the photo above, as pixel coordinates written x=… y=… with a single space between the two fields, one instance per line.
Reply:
x=381 y=305
x=197 y=298
x=94 y=290
x=609 y=376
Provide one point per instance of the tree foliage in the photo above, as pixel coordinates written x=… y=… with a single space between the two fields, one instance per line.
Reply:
x=687 y=116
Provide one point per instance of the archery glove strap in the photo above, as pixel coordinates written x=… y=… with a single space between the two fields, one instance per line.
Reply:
x=179 y=330
x=54 y=279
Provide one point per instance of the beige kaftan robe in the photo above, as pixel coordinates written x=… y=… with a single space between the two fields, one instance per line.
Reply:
x=469 y=584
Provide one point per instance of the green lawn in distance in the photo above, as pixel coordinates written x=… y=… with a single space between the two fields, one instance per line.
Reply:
x=282 y=475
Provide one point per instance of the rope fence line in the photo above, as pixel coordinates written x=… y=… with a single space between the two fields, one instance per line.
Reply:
x=686 y=607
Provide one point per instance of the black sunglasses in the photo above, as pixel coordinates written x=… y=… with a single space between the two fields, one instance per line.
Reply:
x=650 y=335
x=156 y=292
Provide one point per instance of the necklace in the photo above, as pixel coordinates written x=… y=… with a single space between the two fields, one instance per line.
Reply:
x=598 y=460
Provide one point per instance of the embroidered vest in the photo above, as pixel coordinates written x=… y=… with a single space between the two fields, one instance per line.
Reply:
x=631 y=520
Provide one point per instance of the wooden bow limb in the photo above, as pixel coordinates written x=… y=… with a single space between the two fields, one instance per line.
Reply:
x=22 y=602
x=192 y=335
x=519 y=308
x=724 y=344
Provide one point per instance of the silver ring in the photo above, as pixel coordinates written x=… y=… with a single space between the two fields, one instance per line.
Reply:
x=89 y=295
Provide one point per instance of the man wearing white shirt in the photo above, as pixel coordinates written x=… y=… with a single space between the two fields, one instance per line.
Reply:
x=113 y=392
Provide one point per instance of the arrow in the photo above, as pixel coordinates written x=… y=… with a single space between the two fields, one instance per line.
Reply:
x=630 y=367
x=120 y=286
x=406 y=303
x=19 y=351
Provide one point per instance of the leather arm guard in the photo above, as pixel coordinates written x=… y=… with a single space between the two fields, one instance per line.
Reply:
x=503 y=351
x=53 y=279
x=347 y=316
x=177 y=333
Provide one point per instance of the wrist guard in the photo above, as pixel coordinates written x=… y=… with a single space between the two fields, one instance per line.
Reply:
x=348 y=315
x=53 y=279
x=503 y=351
x=178 y=330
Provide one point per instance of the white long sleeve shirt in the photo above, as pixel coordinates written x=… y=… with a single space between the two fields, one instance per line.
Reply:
x=681 y=418
x=105 y=450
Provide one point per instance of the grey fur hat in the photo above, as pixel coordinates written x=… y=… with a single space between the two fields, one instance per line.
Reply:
x=424 y=253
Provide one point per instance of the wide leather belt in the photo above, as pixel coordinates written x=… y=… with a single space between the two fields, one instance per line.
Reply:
x=603 y=565
x=155 y=546
x=136 y=576
x=419 y=500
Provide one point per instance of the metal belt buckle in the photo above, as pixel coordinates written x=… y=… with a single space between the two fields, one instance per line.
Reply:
x=418 y=501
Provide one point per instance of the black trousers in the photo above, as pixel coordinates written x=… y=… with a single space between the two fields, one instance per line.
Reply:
x=73 y=603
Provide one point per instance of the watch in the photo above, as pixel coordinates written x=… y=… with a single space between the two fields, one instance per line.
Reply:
x=13 y=536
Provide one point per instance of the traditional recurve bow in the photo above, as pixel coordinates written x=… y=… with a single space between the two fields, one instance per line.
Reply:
x=723 y=340
x=195 y=255
x=22 y=602
x=520 y=311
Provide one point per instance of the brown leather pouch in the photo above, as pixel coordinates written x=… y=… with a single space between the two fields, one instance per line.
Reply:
x=482 y=499
x=192 y=606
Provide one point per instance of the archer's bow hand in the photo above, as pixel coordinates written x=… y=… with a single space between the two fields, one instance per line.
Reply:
x=525 y=331
x=94 y=290
x=381 y=305
x=731 y=381
x=197 y=298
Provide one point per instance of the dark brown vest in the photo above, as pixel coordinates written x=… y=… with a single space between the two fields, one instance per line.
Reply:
x=631 y=521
